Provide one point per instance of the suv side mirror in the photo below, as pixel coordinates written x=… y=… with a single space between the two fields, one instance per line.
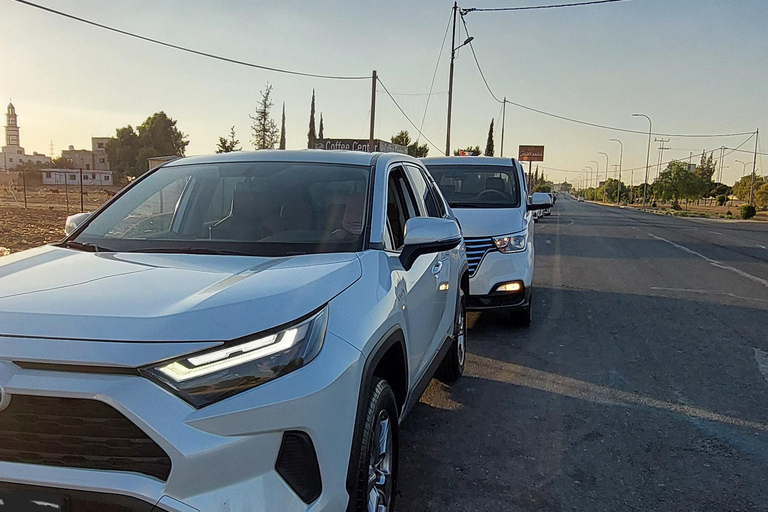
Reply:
x=540 y=201
x=426 y=235
x=74 y=221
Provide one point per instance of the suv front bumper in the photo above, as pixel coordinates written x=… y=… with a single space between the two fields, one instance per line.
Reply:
x=222 y=456
x=496 y=268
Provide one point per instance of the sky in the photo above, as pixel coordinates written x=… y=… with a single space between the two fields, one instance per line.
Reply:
x=692 y=66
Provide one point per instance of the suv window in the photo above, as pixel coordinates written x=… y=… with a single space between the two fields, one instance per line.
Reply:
x=477 y=185
x=400 y=206
x=423 y=190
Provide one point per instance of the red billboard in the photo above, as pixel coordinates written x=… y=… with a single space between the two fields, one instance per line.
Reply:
x=531 y=154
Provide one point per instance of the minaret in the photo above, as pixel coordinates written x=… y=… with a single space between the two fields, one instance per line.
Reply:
x=11 y=128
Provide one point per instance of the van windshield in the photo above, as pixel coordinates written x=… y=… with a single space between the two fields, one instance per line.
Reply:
x=478 y=186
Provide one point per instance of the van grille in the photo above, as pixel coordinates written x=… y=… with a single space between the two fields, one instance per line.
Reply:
x=476 y=250
x=77 y=433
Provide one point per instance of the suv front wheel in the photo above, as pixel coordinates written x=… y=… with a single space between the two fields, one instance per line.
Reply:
x=377 y=455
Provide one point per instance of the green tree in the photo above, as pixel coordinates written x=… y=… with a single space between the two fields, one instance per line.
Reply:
x=122 y=150
x=320 y=133
x=678 y=182
x=403 y=138
x=761 y=196
x=312 y=135
x=611 y=190
x=264 y=130
x=282 y=129
x=489 y=150
x=468 y=151
x=160 y=133
x=228 y=145
x=741 y=188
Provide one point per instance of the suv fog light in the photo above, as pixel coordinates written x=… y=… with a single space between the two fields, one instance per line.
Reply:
x=514 y=286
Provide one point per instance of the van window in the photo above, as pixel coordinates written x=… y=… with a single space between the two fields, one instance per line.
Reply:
x=478 y=186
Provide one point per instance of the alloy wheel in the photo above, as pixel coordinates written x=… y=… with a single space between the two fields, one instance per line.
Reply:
x=380 y=465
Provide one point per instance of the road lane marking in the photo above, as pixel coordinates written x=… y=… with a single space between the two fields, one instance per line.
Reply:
x=716 y=232
x=509 y=373
x=714 y=263
x=762 y=361
x=714 y=292
x=761 y=246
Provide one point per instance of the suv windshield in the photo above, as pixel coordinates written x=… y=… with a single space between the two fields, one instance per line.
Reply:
x=478 y=186
x=251 y=208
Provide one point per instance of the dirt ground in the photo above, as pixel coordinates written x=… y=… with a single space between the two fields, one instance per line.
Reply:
x=42 y=221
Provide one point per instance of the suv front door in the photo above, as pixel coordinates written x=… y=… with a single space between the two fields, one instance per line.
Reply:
x=418 y=285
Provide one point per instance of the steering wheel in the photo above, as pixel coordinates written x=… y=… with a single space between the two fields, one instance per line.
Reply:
x=497 y=193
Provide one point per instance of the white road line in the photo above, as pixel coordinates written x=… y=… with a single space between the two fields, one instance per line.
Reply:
x=714 y=263
x=713 y=292
x=716 y=232
x=762 y=361
x=761 y=246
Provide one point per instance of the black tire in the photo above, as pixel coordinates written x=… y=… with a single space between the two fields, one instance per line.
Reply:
x=452 y=367
x=523 y=317
x=381 y=409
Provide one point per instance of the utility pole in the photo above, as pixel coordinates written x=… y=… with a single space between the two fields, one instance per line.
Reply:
x=24 y=185
x=371 y=134
x=503 y=122
x=82 y=206
x=621 y=161
x=722 y=157
x=647 y=157
x=662 y=148
x=754 y=165
x=450 y=82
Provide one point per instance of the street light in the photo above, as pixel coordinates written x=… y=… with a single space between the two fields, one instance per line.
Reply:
x=621 y=160
x=450 y=79
x=606 y=169
x=647 y=156
x=743 y=167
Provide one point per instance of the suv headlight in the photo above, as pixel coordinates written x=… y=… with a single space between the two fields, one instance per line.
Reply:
x=207 y=377
x=515 y=242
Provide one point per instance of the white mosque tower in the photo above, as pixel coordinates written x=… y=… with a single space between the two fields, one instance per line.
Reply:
x=13 y=154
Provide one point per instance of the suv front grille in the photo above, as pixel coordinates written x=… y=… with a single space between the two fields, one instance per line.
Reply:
x=77 y=433
x=476 y=249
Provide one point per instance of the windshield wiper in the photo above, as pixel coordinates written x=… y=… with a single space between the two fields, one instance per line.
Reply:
x=190 y=250
x=85 y=246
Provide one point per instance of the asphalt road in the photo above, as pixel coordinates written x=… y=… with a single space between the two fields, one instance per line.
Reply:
x=641 y=386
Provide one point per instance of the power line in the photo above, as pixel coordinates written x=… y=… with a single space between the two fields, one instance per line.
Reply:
x=438 y=93
x=406 y=115
x=586 y=123
x=189 y=50
x=539 y=7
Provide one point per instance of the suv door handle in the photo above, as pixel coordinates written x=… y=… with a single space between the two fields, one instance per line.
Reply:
x=437 y=268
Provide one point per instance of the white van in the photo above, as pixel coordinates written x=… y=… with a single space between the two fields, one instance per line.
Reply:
x=488 y=196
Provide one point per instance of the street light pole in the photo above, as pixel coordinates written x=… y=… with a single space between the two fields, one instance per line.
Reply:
x=647 y=156
x=621 y=161
x=450 y=82
x=606 y=169
x=754 y=165
x=743 y=167
x=597 y=176
x=503 y=122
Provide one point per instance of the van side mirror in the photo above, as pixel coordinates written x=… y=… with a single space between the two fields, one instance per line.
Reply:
x=74 y=221
x=427 y=235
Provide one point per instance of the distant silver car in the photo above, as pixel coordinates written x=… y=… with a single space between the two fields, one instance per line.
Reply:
x=580 y=200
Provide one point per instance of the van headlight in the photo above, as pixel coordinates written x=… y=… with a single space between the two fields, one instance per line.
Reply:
x=516 y=242
x=207 y=377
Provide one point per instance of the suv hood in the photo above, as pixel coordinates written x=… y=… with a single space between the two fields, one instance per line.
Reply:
x=483 y=222
x=63 y=293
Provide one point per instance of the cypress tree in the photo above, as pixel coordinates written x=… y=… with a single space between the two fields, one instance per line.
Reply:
x=489 y=149
x=312 y=135
x=282 y=129
x=320 y=133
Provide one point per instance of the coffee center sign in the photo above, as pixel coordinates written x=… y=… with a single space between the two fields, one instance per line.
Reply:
x=360 y=145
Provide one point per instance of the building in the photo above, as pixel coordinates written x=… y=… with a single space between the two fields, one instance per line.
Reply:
x=71 y=177
x=13 y=154
x=93 y=159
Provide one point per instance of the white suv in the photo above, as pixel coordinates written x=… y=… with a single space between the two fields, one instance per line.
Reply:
x=242 y=331
x=489 y=198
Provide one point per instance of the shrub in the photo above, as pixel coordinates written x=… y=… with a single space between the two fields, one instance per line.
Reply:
x=721 y=199
x=676 y=205
x=729 y=213
x=747 y=211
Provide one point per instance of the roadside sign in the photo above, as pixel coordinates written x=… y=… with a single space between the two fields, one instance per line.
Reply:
x=359 y=145
x=531 y=154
